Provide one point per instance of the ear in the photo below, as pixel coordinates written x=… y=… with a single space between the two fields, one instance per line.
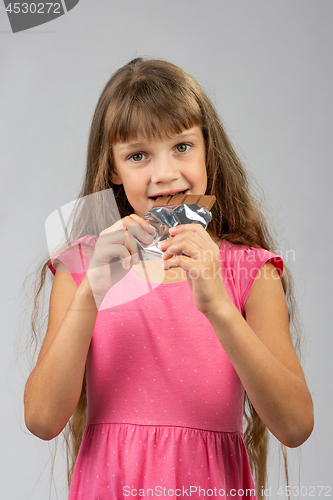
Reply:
x=115 y=179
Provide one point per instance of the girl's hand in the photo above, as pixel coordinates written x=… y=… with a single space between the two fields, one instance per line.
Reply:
x=200 y=260
x=115 y=253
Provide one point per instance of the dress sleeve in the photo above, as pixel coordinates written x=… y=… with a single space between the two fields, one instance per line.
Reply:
x=75 y=257
x=251 y=262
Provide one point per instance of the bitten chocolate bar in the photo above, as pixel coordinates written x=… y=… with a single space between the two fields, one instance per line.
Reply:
x=169 y=211
x=204 y=201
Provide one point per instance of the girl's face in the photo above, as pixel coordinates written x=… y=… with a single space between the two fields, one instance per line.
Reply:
x=148 y=169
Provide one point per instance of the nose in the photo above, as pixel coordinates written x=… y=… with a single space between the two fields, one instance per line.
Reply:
x=164 y=170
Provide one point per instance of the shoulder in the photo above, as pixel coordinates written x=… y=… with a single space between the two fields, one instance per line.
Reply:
x=75 y=256
x=250 y=256
x=243 y=265
x=266 y=287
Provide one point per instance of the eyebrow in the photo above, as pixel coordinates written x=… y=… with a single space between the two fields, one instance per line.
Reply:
x=181 y=137
x=130 y=146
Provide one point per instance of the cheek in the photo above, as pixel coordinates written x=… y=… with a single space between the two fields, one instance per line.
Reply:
x=202 y=177
x=203 y=182
x=133 y=188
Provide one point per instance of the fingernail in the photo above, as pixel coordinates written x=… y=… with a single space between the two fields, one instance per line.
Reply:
x=148 y=237
x=150 y=229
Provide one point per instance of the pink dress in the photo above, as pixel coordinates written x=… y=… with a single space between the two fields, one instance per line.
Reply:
x=165 y=405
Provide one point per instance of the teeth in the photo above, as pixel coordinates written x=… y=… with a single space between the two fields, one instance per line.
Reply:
x=179 y=192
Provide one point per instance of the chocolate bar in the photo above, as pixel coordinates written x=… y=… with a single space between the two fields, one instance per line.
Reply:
x=204 y=201
x=169 y=211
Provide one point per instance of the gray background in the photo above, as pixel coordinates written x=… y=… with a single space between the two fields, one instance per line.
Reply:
x=267 y=66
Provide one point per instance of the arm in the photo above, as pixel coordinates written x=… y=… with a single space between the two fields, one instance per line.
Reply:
x=259 y=347
x=262 y=353
x=54 y=386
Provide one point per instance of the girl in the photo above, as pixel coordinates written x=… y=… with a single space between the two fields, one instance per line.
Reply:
x=152 y=384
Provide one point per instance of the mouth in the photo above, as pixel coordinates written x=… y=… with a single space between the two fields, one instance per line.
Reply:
x=154 y=198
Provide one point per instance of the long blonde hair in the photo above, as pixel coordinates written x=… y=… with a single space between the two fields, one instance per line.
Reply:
x=153 y=99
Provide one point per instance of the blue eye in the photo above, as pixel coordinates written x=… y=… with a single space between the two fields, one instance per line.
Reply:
x=182 y=148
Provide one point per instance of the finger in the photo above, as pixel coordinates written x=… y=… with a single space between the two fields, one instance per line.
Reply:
x=128 y=241
x=185 y=247
x=116 y=244
x=122 y=253
x=193 y=228
x=132 y=247
x=139 y=226
x=135 y=259
x=140 y=233
x=143 y=223
x=112 y=237
x=126 y=236
x=108 y=253
x=180 y=239
x=181 y=261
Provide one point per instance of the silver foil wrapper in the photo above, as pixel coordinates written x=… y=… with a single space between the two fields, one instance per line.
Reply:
x=162 y=218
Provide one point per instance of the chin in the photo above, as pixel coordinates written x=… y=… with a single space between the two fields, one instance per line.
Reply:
x=141 y=214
